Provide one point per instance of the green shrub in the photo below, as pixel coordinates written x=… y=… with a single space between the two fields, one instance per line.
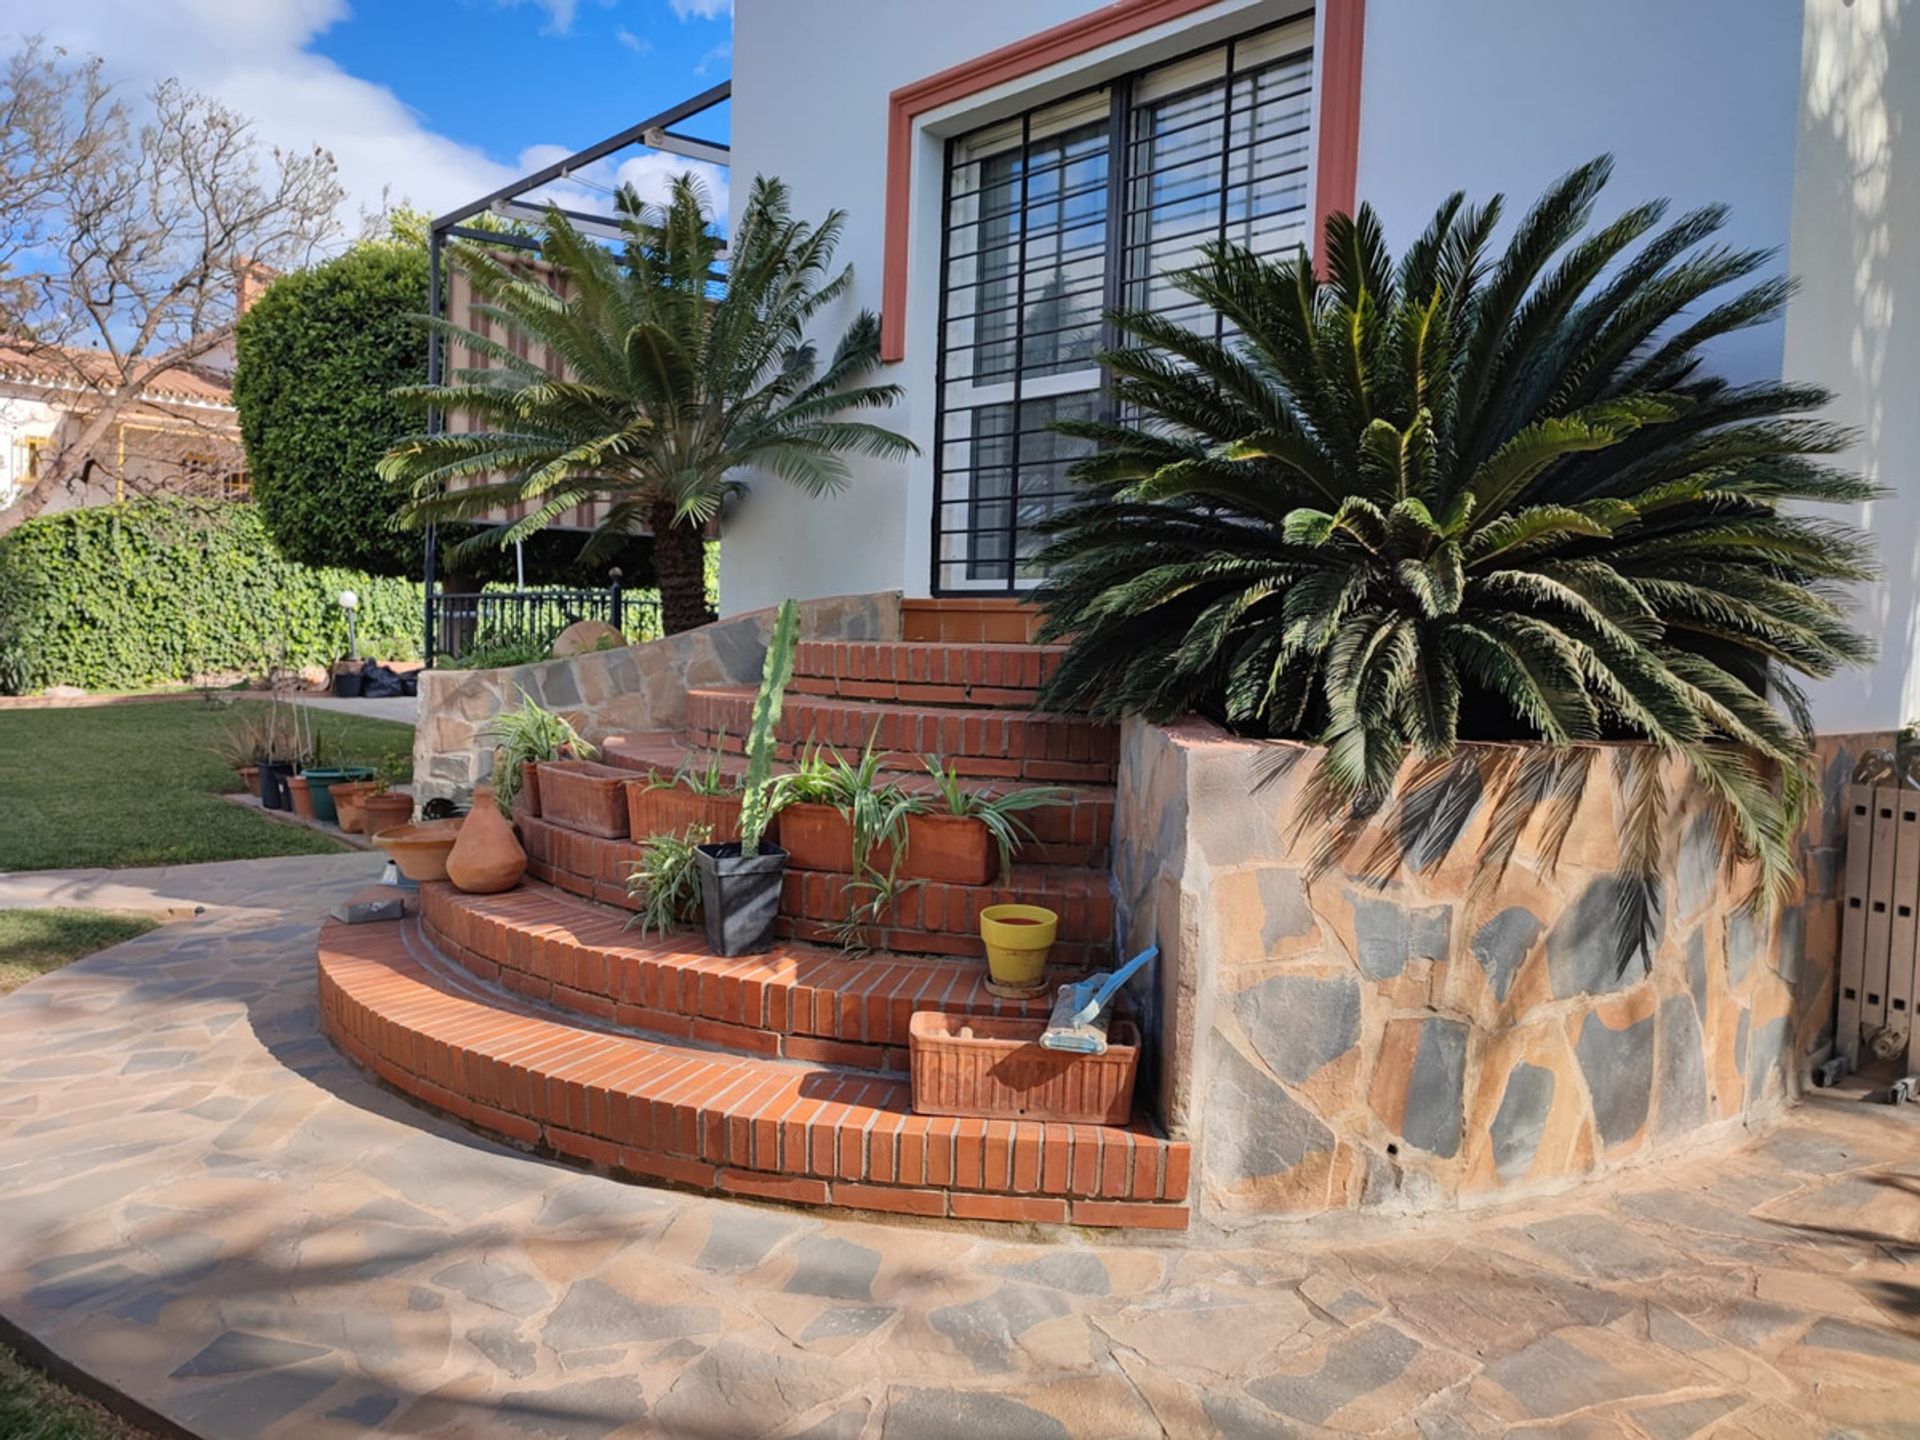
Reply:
x=319 y=356
x=157 y=591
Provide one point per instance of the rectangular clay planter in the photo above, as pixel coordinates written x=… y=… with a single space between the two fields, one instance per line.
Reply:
x=581 y=795
x=949 y=849
x=992 y=1067
x=819 y=837
x=670 y=809
x=527 y=797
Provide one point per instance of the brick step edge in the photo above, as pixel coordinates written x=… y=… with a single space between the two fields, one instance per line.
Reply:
x=1031 y=746
x=809 y=1005
x=454 y=1054
x=926 y=672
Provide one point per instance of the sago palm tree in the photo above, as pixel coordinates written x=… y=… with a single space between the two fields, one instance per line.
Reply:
x=1471 y=496
x=686 y=364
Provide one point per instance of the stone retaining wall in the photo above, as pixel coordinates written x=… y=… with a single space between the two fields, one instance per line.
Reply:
x=631 y=690
x=1360 y=1042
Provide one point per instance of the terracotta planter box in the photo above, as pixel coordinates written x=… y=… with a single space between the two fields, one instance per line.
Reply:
x=670 y=809
x=819 y=837
x=949 y=849
x=527 y=797
x=992 y=1067
x=584 y=796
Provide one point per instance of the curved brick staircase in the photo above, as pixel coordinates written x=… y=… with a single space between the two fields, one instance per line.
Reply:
x=538 y=1015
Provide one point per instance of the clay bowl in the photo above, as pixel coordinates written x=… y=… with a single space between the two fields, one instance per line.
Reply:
x=420 y=850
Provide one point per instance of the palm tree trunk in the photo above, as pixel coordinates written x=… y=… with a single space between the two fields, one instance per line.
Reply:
x=680 y=569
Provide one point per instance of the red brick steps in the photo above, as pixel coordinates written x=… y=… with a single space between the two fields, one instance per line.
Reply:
x=735 y=1124
x=798 y=1001
x=940 y=919
x=1036 y=748
x=927 y=673
x=929 y=919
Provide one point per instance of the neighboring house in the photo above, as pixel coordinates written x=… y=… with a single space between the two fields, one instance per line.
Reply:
x=181 y=438
x=1104 y=143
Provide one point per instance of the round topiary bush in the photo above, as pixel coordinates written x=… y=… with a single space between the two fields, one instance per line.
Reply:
x=319 y=356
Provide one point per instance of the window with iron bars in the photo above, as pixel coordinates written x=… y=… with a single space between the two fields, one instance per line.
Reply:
x=1073 y=208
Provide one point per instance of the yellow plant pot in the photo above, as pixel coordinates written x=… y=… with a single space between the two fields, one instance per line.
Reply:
x=1018 y=938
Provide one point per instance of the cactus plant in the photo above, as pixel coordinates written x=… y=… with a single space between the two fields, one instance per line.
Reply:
x=758 y=802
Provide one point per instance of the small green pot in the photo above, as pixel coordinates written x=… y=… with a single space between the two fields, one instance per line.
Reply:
x=320 y=785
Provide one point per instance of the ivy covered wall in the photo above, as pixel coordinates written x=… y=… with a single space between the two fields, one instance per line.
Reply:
x=153 y=592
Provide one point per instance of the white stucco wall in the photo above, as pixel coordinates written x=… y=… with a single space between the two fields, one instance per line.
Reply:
x=1697 y=102
x=810 y=86
x=1855 y=324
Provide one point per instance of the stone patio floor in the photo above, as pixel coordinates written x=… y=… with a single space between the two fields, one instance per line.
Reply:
x=205 y=1207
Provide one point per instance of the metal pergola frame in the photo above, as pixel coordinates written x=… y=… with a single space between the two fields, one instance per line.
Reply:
x=654 y=133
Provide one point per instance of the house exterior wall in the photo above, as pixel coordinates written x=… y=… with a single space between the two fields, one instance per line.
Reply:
x=1854 y=326
x=155 y=450
x=1492 y=95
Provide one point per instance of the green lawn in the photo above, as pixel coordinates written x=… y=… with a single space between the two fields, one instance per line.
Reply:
x=32 y=1407
x=32 y=942
x=140 y=784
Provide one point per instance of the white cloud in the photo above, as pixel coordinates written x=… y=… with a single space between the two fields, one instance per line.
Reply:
x=638 y=44
x=252 y=55
x=718 y=56
x=703 y=9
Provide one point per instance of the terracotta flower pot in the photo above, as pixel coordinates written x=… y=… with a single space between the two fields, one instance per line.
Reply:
x=420 y=850
x=487 y=857
x=584 y=796
x=249 y=778
x=993 y=1067
x=384 y=812
x=949 y=849
x=347 y=799
x=670 y=809
x=301 y=795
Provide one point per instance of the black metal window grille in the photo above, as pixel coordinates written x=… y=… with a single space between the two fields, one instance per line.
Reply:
x=1069 y=209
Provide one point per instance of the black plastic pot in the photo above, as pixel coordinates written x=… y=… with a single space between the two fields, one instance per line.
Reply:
x=740 y=896
x=348 y=684
x=274 y=775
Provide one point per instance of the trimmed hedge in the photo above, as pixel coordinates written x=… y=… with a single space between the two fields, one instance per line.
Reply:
x=318 y=358
x=153 y=592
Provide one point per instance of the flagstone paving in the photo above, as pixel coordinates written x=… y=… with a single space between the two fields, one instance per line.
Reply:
x=204 y=1206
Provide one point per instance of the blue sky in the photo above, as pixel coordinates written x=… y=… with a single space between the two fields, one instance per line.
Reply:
x=428 y=101
x=511 y=75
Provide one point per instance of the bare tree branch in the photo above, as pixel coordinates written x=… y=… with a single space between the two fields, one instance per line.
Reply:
x=125 y=248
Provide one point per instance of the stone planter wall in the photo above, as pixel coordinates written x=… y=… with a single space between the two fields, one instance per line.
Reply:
x=616 y=692
x=1360 y=1042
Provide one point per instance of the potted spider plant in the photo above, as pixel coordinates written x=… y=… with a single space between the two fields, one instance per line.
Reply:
x=962 y=836
x=839 y=815
x=693 y=795
x=666 y=882
x=522 y=739
x=740 y=879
